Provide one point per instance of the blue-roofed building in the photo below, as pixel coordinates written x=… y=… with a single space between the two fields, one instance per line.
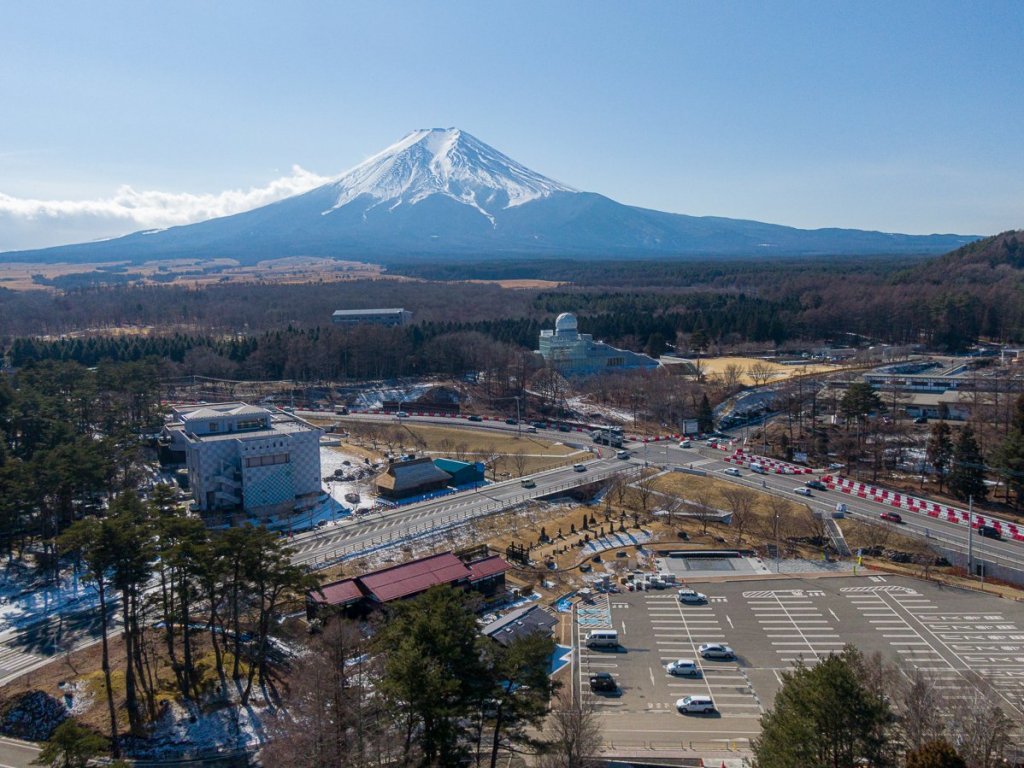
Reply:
x=462 y=472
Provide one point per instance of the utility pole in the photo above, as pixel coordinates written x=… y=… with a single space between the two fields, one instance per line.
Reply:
x=970 y=535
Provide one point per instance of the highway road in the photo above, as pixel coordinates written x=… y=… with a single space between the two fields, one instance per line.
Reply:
x=1006 y=553
x=17 y=754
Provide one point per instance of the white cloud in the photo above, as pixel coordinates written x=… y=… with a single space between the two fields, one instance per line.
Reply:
x=27 y=223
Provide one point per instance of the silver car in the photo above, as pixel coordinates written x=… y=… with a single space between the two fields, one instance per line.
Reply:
x=716 y=651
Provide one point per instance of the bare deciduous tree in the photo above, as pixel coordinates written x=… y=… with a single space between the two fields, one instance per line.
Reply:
x=700 y=505
x=760 y=374
x=741 y=506
x=576 y=732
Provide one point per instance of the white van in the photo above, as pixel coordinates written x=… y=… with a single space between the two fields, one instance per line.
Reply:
x=702 y=704
x=602 y=638
x=579 y=467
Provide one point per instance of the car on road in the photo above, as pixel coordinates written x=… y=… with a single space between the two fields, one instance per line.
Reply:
x=990 y=532
x=816 y=485
x=529 y=483
x=921 y=420
x=513 y=422
x=716 y=651
x=579 y=467
x=892 y=517
x=683 y=668
x=731 y=471
x=564 y=428
x=802 y=491
x=622 y=455
x=700 y=704
x=474 y=417
x=691 y=596
x=532 y=430
x=401 y=415
x=603 y=682
x=685 y=444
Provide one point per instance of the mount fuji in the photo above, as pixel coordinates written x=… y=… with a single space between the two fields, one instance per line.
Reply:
x=443 y=192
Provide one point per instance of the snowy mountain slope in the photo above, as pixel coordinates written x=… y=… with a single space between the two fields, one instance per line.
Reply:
x=443 y=193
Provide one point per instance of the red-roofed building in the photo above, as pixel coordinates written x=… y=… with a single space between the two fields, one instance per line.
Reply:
x=361 y=593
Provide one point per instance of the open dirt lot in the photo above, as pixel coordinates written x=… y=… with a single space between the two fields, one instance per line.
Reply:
x=716 y=366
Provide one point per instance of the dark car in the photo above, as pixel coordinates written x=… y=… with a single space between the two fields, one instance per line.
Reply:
x=921 y=420
x=513 y=422
x=816 y=485
x=474 y=418
x=603 y=682
x=563 y=428
x=989 y=532
x=892 y=517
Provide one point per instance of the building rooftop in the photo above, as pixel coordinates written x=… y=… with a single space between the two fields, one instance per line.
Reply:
x=415 y=577
x=366 y=312
x=519 y=623
x=490 y=566
x=342 y=593
x=405 y=475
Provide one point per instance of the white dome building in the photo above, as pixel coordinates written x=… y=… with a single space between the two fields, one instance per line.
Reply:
x=574 y=353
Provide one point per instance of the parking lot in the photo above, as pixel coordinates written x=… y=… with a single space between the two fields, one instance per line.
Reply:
x=771 y=624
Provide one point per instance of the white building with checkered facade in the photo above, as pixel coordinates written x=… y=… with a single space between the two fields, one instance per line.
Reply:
x=243 y=457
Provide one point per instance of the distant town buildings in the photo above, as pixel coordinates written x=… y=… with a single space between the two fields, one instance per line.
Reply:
x=573 y=353
x=245 y=458
x=388 y=317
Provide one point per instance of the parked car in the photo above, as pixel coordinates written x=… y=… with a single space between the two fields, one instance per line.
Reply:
x=603 y=682
x=716 y=651
x=892 y=517
x=816 y=485
x=731 y=471
x=699 y=704
x=691 y=597
x=683 y=668
x=802 y=491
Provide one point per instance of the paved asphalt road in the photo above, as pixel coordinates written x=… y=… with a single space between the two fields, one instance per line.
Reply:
x=17 y=754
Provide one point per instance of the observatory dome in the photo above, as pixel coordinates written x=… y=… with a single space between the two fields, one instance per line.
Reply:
x=565 y=324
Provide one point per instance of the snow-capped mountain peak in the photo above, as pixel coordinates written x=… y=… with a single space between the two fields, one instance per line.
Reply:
x=448 y=162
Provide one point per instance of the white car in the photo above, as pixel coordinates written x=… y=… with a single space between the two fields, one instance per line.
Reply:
x=691 y=596
x=731 y=471
x=683 y=668
x=700 y=704
x=685 y=444
x=716 y=651
x=802 y=491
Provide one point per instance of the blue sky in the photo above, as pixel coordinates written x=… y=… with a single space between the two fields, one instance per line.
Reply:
x=904 y=116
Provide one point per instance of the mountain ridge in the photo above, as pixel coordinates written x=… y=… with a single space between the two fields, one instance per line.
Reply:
x=443 y=192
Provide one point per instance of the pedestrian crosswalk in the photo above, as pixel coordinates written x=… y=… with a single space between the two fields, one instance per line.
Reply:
x=13 y=661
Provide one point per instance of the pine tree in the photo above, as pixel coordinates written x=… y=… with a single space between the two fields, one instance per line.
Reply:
x=705 y=416
x=827 y=715
x=940 y=450
x=967 y=476
x=935 y=754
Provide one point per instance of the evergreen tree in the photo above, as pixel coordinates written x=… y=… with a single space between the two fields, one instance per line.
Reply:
x=433 y=672
x=967 y=476
x=935 y=754
x=859 y=400
x=826 y=716
x=940 y=450
x=705 y=416
x=71 y=746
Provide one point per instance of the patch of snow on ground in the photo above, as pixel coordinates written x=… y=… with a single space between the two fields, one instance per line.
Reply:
x=25 y=597
x=374 y=398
